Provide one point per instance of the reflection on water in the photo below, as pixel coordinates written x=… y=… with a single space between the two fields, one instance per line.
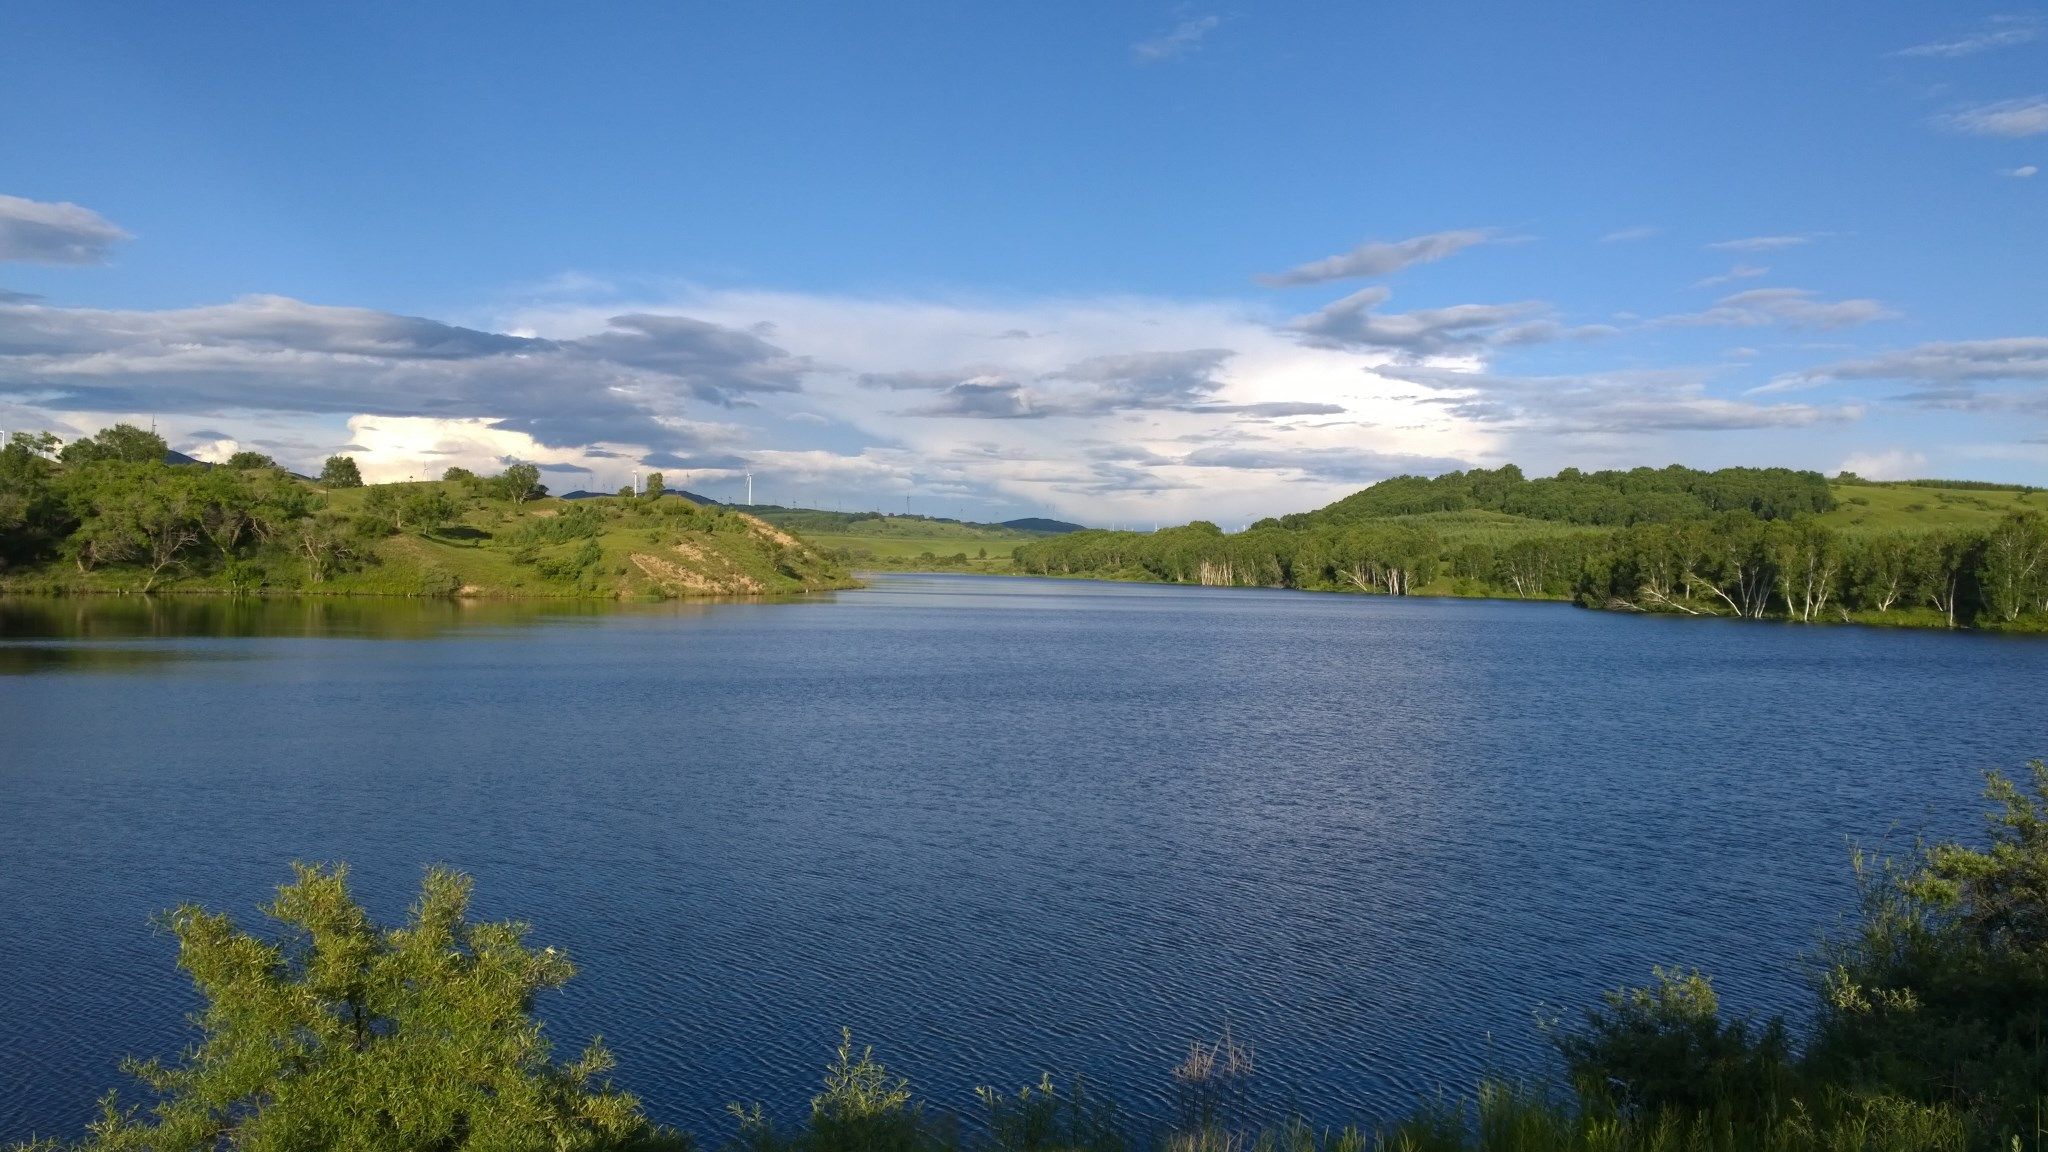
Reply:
x=42 y=619
x=23 y=659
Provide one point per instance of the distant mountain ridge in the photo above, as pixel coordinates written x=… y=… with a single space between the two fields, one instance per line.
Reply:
x=1043 y=526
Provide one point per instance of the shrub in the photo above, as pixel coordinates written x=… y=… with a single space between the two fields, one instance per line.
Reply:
x=344 y=1035
x=1665 y=1048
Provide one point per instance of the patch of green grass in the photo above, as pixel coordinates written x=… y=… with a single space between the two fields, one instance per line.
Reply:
x=1870 y=509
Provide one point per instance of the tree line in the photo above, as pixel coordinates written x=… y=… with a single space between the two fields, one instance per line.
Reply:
x=1777 y=563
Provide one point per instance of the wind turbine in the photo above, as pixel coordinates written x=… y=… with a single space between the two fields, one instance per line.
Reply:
x=750 y=489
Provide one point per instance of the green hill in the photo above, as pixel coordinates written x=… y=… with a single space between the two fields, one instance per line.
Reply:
x=879 y=540
x=1747 y=542
x=120 y=524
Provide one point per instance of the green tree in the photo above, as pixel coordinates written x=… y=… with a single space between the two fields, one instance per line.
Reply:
x=341 y=472
x=458 y=473
x=123 y=442
x=341 y=1034
x=519 y=483
x=33 y=516
x=427 y=507
x=227 y=507
x=1882 y=572
x=655 y=487
x=2013 y=569
x=324 y=541
x=135 y=513
x=246 y=459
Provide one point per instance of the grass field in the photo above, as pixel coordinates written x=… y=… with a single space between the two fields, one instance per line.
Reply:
x=1868 y=509
x=902 y=541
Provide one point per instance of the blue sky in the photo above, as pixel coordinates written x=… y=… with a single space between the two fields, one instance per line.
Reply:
x=1115 y=262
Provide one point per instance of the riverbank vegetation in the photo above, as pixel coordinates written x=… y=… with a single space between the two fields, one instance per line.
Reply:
x=1753 y=543
x=110 y=513
x=1926 y=1032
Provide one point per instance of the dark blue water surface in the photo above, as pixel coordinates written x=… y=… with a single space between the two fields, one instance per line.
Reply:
x=995 y=826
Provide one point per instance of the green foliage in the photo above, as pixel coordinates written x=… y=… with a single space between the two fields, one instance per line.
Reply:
x=339 y=1034
x=655 y=486
x=863 y=1108
x=581 y=521
x=1941 y=994
x=1765 y=553
x=1044 y=1119
x=518 y=483
x=427 y=507
x=114 y=525
x=1665 y=1048
x=460 y=474
x=33 y=516
x=572 y=565
x=341 y=472
x=1637 y=496
x=122 y=443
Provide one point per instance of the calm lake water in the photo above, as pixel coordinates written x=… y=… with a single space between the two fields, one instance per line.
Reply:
x=996 y=826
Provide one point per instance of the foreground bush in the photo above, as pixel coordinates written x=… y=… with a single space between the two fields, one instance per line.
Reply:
x=345 y=1036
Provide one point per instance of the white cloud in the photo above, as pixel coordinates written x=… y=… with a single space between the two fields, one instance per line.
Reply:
x=2023 y=172
x=1631 y=234
x=1888 y=464
x=1185 y=37
x=1999 y=32
x=390 y=448
x=1766 y=243
x=35 y=232
x=1739 y=272
x=2027 y=116
x=1959 y=363
x=1790 y=307
x=1117 y=408
x=1355 y=322
x=1379 y=258
x=1626 y=404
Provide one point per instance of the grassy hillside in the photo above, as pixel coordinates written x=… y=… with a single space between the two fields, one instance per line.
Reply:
x=876 y=540
x=1863 y=507
x=477 y=543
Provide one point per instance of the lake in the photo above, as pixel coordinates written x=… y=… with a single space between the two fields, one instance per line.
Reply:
x=996 y=826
